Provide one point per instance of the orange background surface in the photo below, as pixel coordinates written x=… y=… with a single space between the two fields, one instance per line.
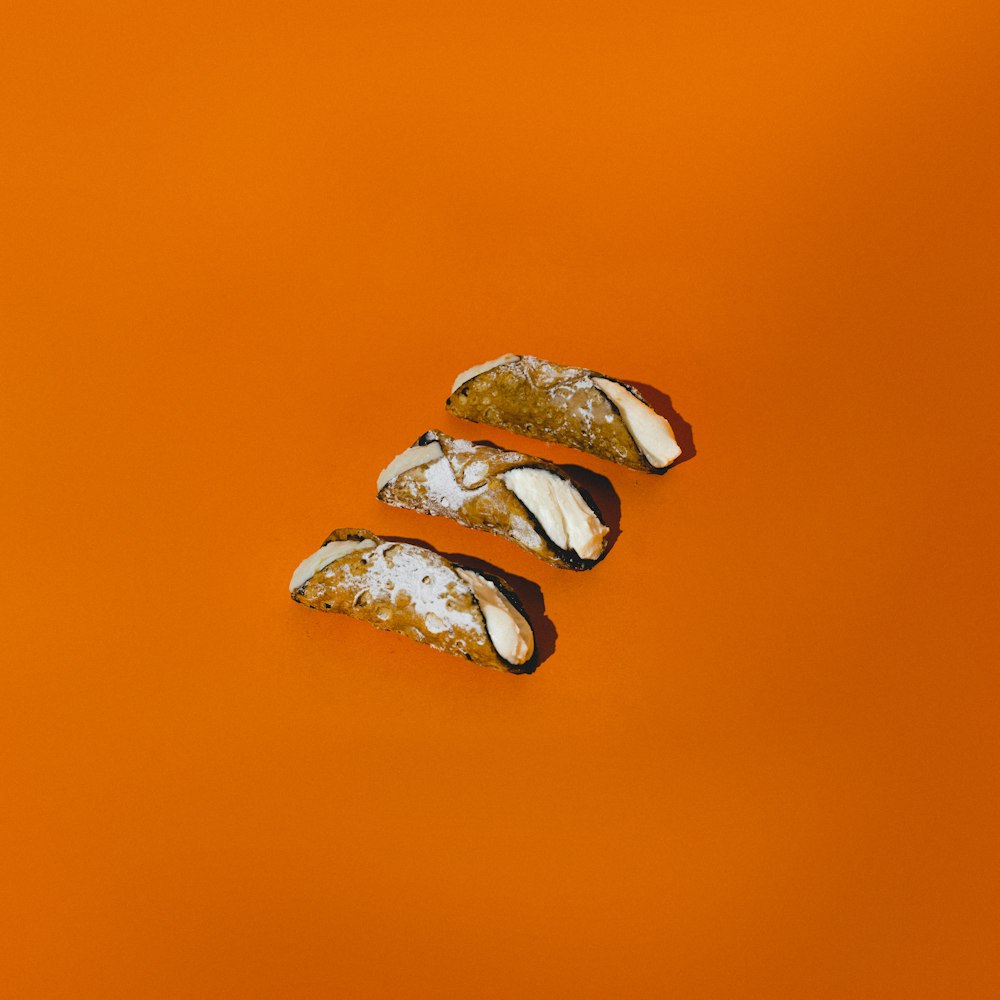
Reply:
x=245 y=249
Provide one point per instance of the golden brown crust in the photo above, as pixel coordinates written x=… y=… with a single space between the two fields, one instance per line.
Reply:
x=467 y=486
x=551 y=402
x=410 y=590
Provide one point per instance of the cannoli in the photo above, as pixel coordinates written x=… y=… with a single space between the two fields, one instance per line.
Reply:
x=571 y=406
x=528 y=500
x=416 y=592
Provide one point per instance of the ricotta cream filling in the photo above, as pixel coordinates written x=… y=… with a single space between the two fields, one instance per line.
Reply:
x=508 y=630
x=559 y=509
x=326 y=555
x=651 y=432
x=479 y=369
x=420 y=454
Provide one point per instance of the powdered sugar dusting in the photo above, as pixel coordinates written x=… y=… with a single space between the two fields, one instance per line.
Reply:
x=572 y=389
x=443 y=489
x=474 y=474
x=468 y=485
x=524 y=533
x=407 y=575
x=551 y=402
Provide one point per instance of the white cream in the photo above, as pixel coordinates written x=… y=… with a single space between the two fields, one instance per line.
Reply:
x=509 y=632
x=479 y=369
x=559 y=508
x=651 y=432
x=327 y=554
x=420 y=454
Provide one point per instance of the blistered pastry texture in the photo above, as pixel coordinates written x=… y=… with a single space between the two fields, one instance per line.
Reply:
x=466 y=485
x=410 y=590
x=551 y=402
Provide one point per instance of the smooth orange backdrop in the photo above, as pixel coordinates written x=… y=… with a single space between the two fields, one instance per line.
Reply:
x=246 y=246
